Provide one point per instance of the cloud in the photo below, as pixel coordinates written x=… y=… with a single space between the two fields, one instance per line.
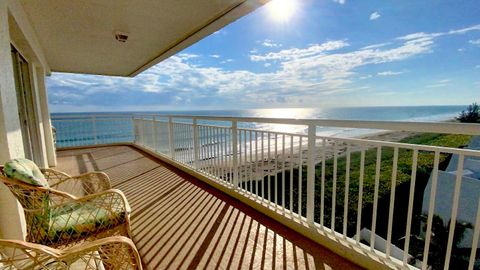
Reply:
x=341 y=2
x=389 y=93
x=365 y=77
x=296 y=53
x=220 y=32
x=227 y=61
x=374 y=16
x=214 y=55
x=439 y=84
x=67 y=95
x=389 y=73
x=187 y=56
x=474 y=42
x=429 y=36
x=465 y=30
x=420 y=36
x=303 y=75
x=267 y=64
x=269 y=43
x=374 y=46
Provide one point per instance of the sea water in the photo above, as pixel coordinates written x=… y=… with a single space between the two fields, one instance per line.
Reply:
x=78 y=129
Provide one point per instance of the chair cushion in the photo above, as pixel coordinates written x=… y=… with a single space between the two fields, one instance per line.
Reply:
x=25 y=171
x=80 y=221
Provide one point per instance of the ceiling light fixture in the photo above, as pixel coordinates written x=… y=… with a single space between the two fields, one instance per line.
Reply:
x=121 y=36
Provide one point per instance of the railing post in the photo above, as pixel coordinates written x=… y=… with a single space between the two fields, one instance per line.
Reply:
x=154 y=133
x=311 y=173
x=142 y=138
x=195 y=143
x=235 y=154
x=170 y=138
x=134 y=129
x=94 y=129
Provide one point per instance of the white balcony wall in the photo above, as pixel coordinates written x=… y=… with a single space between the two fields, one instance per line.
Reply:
x=16 y=30
x=11 y=144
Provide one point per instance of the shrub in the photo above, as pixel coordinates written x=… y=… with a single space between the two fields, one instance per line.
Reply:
x=471 y=115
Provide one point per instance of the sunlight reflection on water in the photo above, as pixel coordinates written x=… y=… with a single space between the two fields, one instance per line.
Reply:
x=290 y=113
x=414 y=114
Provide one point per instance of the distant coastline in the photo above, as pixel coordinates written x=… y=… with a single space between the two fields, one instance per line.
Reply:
x=394 y=113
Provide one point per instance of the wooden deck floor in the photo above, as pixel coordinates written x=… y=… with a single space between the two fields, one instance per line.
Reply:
x=179 y=222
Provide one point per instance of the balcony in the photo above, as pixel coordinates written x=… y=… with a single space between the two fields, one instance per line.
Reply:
x=227 y=192
x=179 y=222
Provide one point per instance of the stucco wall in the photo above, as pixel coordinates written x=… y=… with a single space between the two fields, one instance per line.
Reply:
x=15 y=29
x=11 y=143
x=467 y=204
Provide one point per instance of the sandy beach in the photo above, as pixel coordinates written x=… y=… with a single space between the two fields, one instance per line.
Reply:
x=271 y=165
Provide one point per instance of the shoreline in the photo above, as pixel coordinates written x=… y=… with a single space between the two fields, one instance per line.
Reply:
x=257 y=169
x=275 y=164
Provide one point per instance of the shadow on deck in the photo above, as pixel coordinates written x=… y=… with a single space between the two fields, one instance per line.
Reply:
x=179 y=221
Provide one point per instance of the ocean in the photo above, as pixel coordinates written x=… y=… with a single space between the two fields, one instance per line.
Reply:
x=78 y=130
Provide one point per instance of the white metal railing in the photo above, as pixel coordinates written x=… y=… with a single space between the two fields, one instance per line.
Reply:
x=92 y=129
x=292 y=172
x=337 y=185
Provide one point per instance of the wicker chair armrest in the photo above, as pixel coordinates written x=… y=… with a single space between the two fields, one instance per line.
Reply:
x=116 y=252
x=53 y=176
x=84 y=184
x=31 y=197
x=100 y=177
x=112 y=200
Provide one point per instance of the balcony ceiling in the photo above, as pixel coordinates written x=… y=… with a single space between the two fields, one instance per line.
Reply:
x=78 y=35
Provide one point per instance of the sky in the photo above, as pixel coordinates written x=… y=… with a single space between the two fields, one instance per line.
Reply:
x=313 y=53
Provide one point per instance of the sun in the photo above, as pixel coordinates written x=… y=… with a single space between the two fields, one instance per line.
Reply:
x=281 y=10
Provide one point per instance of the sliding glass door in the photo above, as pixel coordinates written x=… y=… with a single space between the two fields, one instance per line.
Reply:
x=25 y=103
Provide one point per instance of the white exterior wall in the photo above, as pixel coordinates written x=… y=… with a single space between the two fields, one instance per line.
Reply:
x=467 y=203
x=12 y=221
x=15 y=29
x=11 y=144
x=51 y=157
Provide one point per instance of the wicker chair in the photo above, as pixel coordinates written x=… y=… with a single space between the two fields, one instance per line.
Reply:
x=109 y=253
x=80 y=185
x=59 y=219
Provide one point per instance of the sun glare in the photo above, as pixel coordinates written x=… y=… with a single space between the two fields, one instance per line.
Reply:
x=281 y=10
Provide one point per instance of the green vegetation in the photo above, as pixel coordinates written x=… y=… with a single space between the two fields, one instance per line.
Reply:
x=404 y=171
x=438 y=244
x=471 y=115
x=424 y=167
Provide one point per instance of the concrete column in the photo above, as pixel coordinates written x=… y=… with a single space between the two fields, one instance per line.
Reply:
x=12 y=221
x=47 y=125
x=39 y=144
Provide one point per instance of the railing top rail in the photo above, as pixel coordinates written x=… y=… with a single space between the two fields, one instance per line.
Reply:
x=429 y=148
x=425 y=127
x=70 y=116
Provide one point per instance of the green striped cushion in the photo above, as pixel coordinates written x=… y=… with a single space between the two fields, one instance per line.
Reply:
x=26 y=171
